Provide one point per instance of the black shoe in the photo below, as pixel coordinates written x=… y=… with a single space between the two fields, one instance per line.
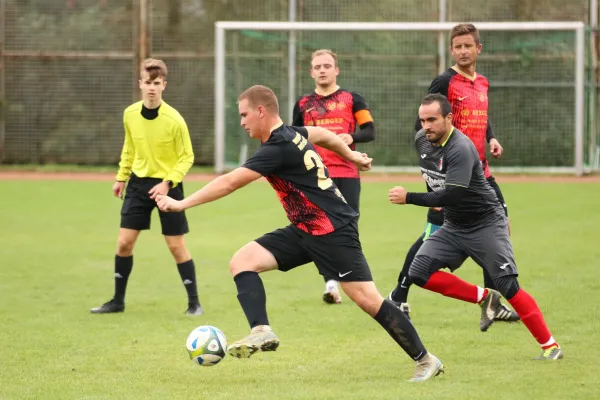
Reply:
x=404 y=307
x=505 y=314
x=109 y=307
x=194 y=309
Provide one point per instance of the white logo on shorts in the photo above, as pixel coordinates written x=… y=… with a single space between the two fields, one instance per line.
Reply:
x=344 y=274
x=503 y=266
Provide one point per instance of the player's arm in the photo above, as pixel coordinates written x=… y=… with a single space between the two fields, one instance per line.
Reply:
x=438 y=85
x=364 y=120
x=458 y=176
x=329 y=140
x=127 y=156
x=185 y=154
x=219 y=187
x=265 y=161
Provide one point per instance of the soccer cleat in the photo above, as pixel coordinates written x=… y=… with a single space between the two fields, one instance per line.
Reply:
x=261 y=338
x=194 y=309
x=552 y=353
x=404 y=307
x=109 y=307
x=505 y=314
x=332 y=295
x=489 y=309
x=428 y=367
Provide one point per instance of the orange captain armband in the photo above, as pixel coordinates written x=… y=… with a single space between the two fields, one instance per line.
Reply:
x=363 y=116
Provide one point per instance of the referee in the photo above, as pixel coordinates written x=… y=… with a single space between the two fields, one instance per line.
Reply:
x=157 y=153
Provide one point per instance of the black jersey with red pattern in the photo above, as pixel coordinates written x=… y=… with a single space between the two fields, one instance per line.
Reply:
x=309 y=197
x=469 y=99
x=338 y=112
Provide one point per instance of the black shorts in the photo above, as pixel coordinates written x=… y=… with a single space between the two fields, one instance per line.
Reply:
x=338 y=254
x=492 y=181
x=138 y=206
x=350 y=189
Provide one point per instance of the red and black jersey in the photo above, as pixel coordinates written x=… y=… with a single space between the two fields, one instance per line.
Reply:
x=311 y=200
x=339 y=112
x=469 y=99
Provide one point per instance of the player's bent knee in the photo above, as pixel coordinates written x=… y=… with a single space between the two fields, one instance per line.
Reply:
x=252 y=257
x=507 y=285
x=420 y=270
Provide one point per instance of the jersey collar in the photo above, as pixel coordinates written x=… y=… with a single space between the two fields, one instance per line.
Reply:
x=469 y=77
x=276 y=126
x=448 y=138
x=317 y=91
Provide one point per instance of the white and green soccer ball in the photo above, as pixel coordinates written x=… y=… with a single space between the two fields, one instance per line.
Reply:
x=206 y=345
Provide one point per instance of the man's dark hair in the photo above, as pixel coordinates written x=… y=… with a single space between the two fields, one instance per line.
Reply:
x=445 y=107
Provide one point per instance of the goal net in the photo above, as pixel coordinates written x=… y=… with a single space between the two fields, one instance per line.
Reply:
x=536 y=71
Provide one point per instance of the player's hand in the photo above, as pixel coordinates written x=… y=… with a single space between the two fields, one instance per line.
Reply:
x=495 y=148
x=436 y=209
x=362 y=160
x=397 y=195
x=347 y=138
x=160 y=188
x=167 y=204
x=118 y=189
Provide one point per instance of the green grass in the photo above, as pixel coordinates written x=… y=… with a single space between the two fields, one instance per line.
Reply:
x=57 y=247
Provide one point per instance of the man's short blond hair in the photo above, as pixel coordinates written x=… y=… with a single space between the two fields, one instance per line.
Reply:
x=259 y=95
x=321 y=52
x=155 y=68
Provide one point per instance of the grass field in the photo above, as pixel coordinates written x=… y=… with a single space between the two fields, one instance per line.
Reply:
x=57 y=247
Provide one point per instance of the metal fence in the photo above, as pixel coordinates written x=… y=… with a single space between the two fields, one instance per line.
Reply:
x=68 y=68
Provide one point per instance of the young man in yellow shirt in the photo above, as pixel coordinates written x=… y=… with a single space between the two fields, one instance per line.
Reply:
x=156 y=155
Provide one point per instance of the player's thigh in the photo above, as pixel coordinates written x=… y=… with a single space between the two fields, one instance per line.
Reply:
x=492 y=181
x=174 y=223
x=491 y=249
x=350 y=189
x=252 y=257
x=137 y=206
x=438 y=251
x=339 y=254
x=287 y=247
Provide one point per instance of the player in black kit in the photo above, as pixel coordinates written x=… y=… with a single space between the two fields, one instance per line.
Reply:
x=323 y=227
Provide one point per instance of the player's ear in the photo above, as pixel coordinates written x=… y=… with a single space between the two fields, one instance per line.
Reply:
x=261 y=111
x=479 y=47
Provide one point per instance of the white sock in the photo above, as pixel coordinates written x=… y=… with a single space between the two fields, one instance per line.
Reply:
x=480 y=291
x=549 y=342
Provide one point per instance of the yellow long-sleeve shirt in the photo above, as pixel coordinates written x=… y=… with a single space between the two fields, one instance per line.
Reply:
x=158 y=148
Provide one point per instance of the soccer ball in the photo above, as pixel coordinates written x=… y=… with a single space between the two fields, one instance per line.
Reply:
x=206 y=345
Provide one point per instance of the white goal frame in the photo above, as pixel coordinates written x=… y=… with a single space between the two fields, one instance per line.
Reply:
x=578 y=27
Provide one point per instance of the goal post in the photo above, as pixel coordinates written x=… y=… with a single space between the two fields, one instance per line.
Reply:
x=536 y=71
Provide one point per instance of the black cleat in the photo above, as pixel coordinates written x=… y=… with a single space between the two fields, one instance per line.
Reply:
x=194 y=309
x=489 y=309
x=505 y=314
x=109 y=307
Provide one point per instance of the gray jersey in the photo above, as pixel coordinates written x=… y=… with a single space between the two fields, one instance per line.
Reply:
x=457 y=163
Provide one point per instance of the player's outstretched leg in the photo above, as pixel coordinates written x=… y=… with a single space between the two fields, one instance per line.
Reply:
x=450 y=285
x=531 y=315
x=367 y=297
